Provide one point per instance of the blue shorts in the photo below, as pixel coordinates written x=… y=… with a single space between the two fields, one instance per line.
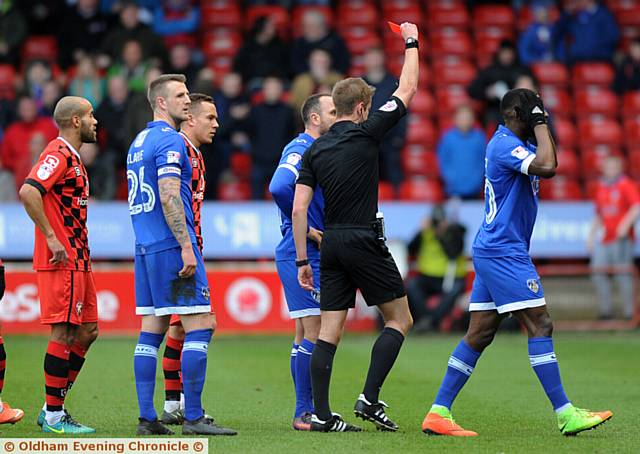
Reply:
x=301 y=302
x=159 y=290
x=505 y=284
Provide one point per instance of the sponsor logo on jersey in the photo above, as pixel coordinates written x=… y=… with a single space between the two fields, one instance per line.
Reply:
x=294 y=159
x=167 y=129
x=519 y=152
x=77 y=170
x=194 y=162
x=83 y=201
x=206 y=292
x=173 y=157
x=168 y=169
x=79 y=308
x=533 y=285
x=46 y=169
x=389 y=106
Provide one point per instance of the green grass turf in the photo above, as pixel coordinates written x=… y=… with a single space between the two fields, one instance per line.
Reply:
x=249 y=388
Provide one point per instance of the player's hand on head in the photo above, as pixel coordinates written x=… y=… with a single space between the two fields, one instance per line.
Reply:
x=315 y=235
x=59 y=253
x=409 y=30
x=532 y=111
x=305 y=277
x=189 y=262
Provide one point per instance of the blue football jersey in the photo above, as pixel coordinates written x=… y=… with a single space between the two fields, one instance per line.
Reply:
x=511 y=197
x=282 y=188
x=157 y=152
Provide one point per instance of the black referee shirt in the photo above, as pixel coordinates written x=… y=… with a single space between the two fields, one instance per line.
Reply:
x=344 y=162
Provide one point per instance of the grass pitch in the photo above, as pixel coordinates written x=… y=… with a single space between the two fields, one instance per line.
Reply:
x=249 y=388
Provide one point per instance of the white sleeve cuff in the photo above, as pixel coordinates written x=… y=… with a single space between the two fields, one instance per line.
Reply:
x=289 y=167
x=524 y=167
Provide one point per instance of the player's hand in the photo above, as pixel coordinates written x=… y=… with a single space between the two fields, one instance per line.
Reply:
x=57 y=250
x=188 y=262
x=532 y=112
x=409 y=30
x=315 y=235
x=305 y=277
x=622 y=231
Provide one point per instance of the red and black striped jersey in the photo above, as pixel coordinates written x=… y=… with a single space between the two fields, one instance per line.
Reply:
x=62 y=180
x=198 y=183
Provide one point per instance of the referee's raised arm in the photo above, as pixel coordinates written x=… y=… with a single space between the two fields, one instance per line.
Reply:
x=408 y=85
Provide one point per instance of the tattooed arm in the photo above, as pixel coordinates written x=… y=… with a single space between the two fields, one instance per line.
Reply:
x=173 y=210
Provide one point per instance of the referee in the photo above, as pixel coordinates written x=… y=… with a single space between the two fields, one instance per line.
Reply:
x=344 y=163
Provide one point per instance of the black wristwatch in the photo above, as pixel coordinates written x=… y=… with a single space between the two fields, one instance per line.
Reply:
x=411 y=43
x=302 y=262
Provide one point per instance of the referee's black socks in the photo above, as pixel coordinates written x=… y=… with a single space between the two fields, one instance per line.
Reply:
x=321 y=365
x=383 y=355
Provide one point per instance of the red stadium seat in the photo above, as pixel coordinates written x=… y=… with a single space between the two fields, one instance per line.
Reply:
x=221 y=66
x=240 y=164
x=599 y=132
x=420 y=130
x=359 y=39
x=551 y=73
x=447 y=15
x=629 y=17
x=299 y=11
x=634 y=163
x=278 y=13
x=40 y=48
x=449 y=98
x=221 y=43
x=7 y=81
x=220 y=14
x=526 y=17
x=568 y=163
x=421 y=189
x=592 y=100
x=360 y=13
x=450 y=42
x=593 y=74
x=631 y=128
x=591 y=187
x=592 y=158
x=631 y=104
x=493 y=15
x=560 y=188
x=423 y=103
x=385 y=191
x=234 y=191
x=400 y=12
x=565 y=132
x=557 y=101
x=487 y=41
x=417 y=162
x=455 y=74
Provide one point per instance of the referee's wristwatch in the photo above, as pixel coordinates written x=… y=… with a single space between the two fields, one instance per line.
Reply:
x=302 y=262
x=411 y=43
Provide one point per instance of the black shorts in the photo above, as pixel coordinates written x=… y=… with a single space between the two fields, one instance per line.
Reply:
x=351 y=259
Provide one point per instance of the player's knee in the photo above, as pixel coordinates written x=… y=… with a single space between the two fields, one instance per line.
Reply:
x=213 y=323
x=480 y=339
x=544 y=326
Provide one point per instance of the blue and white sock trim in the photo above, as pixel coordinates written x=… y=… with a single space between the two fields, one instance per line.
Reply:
x=146 y=350
x=195 y=346
x=304 y=351
x=461 y=366
x=545 y=358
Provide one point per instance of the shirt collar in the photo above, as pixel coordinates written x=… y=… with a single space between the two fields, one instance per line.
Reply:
x=155 y=124
x=305 y=136
x=69 y=146
x=190 y=143
x=504 y=130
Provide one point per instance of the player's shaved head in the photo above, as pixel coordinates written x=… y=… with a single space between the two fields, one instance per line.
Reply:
x=69 y=107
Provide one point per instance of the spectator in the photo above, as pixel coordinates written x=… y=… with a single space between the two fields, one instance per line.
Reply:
x=461 y=156
x=534 y=44
x=628 y=71
x=13 y=30
x=138 y=112
x=492 y=82
x=87 y=83
x=181 y=62
x=42 y=15
x=611 y=238
x=233 y=115
x=272 y=127
x=441 y=264
x=319 y=79
x=177 y=22
x=205 y=82
x=37 y=75
x=51 y=94
x=111 y=116
x=316 y=34
x=14 y=155
x=376 y=75
x=132 y=67
x=262 y=54
x=101 y=171
x=82 y=30
x=130 y=28
x=586 y=31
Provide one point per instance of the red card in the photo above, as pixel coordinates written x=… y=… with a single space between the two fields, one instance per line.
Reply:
x=395 y=28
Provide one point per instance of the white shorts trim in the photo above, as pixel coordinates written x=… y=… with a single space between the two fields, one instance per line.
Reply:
x=304 y=312
x=180 y=310
x=505 y=308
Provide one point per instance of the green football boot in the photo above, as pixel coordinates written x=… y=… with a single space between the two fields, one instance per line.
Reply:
x=572 y=420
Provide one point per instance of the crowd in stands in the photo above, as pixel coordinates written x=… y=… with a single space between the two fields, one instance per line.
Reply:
x=261 y=59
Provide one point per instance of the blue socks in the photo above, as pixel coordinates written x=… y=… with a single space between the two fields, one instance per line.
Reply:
x=194 y=371
x=461 y=365
x=292 y=362
x=304 y=397
x=545 y=365
x=145 y=360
